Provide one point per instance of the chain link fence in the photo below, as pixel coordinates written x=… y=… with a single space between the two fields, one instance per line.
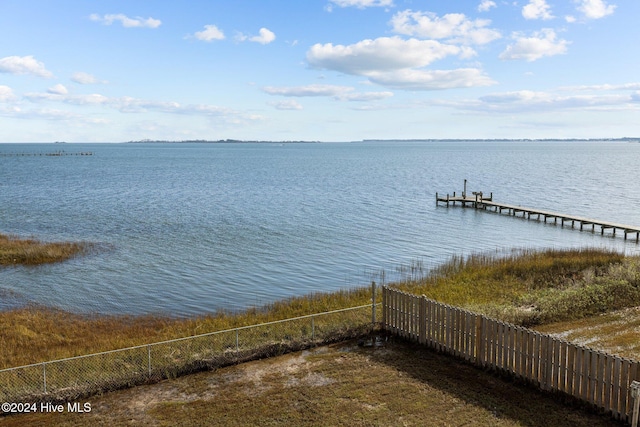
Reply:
x=75 y=377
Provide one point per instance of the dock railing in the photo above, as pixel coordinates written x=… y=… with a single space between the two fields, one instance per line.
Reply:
x=604 y=381
x=75 y=377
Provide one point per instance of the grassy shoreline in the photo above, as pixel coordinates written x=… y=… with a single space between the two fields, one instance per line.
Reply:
x=18 y=251
x=528 y=288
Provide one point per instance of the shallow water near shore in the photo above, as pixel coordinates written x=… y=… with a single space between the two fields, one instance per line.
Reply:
x=186 y=229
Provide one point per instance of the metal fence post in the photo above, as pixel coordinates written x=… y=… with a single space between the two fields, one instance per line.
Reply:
x=313 y=328
x=149 y=359
x=373 y=305
x=384 y=306
x=237 y=342
x=44 y=376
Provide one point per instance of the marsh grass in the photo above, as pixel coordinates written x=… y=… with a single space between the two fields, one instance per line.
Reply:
x=535 y=287
x=37 y=334
x=525 y=287
x=15 y=251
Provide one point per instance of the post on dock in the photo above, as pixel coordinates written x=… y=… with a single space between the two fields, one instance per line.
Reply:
x=464 y=191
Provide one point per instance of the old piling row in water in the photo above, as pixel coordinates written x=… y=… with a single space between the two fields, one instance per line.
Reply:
x=49 y=154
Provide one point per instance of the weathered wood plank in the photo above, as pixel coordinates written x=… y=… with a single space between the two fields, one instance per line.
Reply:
x=624 y=388
x=615 y=384
x=555 y=365
x=608 y=383
x=599 y=399
x=592 y=376
x=480 y=203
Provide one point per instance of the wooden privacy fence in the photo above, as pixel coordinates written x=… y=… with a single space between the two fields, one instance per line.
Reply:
x=600 y=379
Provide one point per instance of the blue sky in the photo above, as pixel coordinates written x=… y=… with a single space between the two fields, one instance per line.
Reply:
x=329 y=70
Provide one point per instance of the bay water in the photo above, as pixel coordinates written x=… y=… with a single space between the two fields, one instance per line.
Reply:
x=185 y=229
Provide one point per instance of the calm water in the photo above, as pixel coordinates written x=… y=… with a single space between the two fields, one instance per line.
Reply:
x=188 y=229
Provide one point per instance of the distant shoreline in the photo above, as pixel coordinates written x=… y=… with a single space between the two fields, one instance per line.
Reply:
x=220 y=141
x=238 y=141
x=425 y=140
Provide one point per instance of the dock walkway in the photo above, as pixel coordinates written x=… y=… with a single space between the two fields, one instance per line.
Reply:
x=477 y=201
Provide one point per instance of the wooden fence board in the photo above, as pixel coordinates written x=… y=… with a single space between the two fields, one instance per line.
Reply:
x=460 y=332
x=599 y=398
x=474 y=336
x=555 y=365
x=595 y=377
x=449 y=329
x=499 y=344
x=586 y=364
x=547 y=355
x=615 y=385
x=517 y=343
x=514 y=349
x=564 y=361
x=608 y=375
x=493 y=328
x=624 y=388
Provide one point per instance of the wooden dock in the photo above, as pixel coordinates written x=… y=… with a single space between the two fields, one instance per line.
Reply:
x=478 y=201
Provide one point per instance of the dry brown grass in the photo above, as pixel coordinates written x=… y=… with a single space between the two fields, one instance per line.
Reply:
x=36 y=334
x=396 y=384
x=14 y=251
x=527 y=288
x=617 y=332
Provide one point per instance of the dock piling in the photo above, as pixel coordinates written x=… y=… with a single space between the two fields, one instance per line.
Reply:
x=480 y=202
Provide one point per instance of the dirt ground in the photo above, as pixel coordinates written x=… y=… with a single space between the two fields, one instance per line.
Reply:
x=381 y=383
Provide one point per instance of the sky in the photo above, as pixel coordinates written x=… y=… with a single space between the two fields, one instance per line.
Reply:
x=319 y=70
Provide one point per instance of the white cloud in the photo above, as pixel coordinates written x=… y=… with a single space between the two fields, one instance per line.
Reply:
x=210 y=33
x=526 y=101
x=626 y=86
x=381 y=54
x=364 y=96
x=409 y=79
x=454 y=26
x=595 y=9
x=6 y=94
x=127 y=104
x=61 y=96
x=86 y=79
x=266 y=36
x=361 y=4
x=126 y=22
x=341 y=93
x=24 y=65
x=486 y=5
x=309 y=90
x=537 y=9
x=288 y=104
x=541 y=44
x=543 y=101
x=398 y=63
x=58 y=89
